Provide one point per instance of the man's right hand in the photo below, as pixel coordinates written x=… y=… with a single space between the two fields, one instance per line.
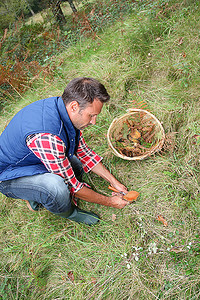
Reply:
x=118 y=202
x=89 y=195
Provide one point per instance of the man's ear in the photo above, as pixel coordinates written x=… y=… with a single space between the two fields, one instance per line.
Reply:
x=73 y=106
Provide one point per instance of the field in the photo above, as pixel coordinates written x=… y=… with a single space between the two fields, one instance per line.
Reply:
x=148 y=59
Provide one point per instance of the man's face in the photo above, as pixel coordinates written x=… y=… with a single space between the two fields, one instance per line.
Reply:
x=82 y=118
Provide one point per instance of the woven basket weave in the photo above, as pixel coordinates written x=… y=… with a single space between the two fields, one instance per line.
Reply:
x=145 y=118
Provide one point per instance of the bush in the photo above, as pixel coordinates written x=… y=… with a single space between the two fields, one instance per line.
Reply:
x=26 y=45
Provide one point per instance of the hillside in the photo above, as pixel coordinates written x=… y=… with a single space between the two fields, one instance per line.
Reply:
x=148 y=58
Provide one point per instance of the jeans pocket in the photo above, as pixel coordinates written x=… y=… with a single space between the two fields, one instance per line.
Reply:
x=5 y=190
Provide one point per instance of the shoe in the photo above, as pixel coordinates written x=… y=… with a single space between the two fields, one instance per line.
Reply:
x=85 y=217
x=32 y=205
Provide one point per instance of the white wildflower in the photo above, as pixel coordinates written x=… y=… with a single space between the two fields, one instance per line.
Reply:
x=136 y=257
x=152 y=248
x=137 y=248
x=108 y=266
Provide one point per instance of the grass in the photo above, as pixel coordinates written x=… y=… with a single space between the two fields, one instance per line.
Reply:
x=133 y=257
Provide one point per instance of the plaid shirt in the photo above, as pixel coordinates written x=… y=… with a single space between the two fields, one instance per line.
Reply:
x=51 y=150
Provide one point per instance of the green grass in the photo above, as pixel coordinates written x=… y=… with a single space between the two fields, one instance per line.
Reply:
x=135 y=256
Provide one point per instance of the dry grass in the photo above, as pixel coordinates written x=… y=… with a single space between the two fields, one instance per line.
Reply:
x=135 y=256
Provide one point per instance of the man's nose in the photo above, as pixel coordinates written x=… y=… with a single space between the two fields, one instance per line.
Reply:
x=93 y=120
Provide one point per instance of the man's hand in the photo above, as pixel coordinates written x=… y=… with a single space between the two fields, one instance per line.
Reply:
x=101 y=170
x=113 y=201
x=117 y=202
x=120 y=187
x=91 y=196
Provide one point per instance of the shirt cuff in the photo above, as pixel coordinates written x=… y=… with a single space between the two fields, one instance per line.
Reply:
x=74 y=190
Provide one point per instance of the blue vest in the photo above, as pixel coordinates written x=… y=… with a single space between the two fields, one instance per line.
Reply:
x=47 y=115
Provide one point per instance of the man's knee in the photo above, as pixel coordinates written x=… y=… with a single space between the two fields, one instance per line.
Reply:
x=55 y=194
x=54 y=184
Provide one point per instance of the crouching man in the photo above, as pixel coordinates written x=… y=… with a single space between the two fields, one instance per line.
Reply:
x=43 y=153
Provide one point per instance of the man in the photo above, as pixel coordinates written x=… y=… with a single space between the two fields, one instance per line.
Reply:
x=43 y=153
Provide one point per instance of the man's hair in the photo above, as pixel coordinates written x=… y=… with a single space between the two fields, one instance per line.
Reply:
x=84 y=90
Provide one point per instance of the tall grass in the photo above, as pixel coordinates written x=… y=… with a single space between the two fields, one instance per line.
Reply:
x=151 y=56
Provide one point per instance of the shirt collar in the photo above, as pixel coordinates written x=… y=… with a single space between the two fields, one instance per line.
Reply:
x=72 y=131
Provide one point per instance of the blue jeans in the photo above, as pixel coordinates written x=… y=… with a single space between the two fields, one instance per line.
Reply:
x=44 y=190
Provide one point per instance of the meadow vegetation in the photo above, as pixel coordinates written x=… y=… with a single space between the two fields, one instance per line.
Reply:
x=148 y=56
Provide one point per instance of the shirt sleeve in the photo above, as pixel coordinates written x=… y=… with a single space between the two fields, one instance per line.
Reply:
x=50 y=149
x=88 y=157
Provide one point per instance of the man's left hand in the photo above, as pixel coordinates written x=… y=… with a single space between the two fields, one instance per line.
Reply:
x=101 y=170
x=119 y=186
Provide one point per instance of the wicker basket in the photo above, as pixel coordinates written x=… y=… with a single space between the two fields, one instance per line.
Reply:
x=146 y=119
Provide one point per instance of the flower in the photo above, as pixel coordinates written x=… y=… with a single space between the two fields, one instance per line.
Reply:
x=152 y=248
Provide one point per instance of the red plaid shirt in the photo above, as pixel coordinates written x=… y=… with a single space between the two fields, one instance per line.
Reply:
x=51 y=150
